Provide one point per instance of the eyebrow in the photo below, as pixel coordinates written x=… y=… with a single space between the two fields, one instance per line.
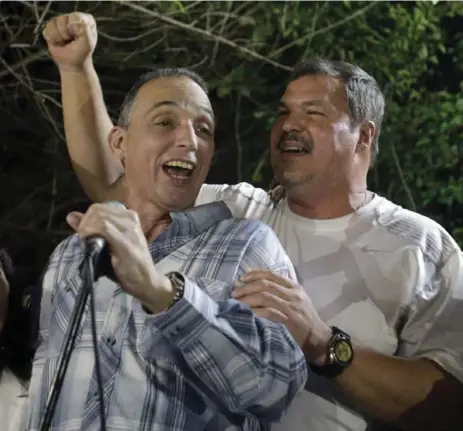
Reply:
x=306 y=104
x=177 y=105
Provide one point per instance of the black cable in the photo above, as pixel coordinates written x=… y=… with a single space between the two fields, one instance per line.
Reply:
x=68 y=347
x=65 y=355
x=99 y=380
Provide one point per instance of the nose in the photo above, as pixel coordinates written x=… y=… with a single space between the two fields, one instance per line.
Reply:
x=186 y=137
x=293 y=123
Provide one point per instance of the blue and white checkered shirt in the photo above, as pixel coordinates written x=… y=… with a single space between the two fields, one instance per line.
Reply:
x=208 y=363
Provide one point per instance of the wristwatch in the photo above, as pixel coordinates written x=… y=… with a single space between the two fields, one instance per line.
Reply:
x=178 y=283
x=339 y=355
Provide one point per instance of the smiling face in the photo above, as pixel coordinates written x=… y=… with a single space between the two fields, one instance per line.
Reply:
x=168 y=145
x=313 y=143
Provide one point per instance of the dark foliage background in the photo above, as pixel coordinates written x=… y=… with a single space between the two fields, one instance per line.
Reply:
x=244 y=50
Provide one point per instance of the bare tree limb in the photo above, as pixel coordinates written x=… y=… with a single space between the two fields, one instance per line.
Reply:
x=24 y=62
x=222 y=27
x=206 y=34
x=25 y=84
x=348 y=18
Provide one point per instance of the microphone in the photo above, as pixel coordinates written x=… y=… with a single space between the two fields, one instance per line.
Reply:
x=97 y=250
x=96 y=263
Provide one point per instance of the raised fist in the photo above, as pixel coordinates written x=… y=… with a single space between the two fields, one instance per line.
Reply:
x=71 y=39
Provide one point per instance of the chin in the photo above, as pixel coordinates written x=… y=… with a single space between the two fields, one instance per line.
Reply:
x=179 y=204
x=290 y=179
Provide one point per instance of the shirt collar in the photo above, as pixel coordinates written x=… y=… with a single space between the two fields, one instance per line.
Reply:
x=200 y=218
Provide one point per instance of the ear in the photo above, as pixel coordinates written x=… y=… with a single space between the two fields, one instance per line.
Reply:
x=117 y=142
x=366 y=135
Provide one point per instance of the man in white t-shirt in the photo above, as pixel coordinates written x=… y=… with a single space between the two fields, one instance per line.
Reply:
x=381 y=292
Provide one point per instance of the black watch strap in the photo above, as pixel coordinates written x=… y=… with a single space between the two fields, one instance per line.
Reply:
x=178 y=283
x=336 y=363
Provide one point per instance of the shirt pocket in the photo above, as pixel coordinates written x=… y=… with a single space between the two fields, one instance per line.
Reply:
x=217 y=290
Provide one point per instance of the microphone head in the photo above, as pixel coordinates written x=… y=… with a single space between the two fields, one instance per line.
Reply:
x=115 y=204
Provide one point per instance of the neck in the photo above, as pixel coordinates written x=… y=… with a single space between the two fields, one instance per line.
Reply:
x=330 y=205
x=153 y=219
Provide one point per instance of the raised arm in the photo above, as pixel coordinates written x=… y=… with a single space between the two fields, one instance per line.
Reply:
x=71 y=40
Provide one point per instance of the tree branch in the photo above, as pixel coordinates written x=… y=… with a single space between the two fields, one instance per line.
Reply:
x=324 y=29
x=206 y=34
x=24 y=62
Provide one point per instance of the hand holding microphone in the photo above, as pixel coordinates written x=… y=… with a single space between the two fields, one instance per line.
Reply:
x=128 y=249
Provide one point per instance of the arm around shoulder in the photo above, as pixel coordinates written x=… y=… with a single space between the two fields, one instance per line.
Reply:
x=254 y=365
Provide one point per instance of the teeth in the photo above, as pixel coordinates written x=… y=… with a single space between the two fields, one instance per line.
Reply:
x=180 y=164
x=293 y=149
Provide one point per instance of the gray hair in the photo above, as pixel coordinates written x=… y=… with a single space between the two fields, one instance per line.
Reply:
x=364 y=97
x=127 y=105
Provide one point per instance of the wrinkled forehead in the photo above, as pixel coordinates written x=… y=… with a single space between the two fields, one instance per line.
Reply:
x=180 y=92
x=314 y=88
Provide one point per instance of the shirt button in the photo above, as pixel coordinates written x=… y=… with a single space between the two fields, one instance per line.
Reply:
x=174 y=331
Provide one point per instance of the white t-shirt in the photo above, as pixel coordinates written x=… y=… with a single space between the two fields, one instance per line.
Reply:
x=391 y=278
x=13 y=402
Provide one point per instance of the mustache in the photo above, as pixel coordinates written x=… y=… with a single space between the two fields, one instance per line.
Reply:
x=306 y=144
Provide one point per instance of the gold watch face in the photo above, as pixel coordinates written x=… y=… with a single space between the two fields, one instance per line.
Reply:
x=343 y=351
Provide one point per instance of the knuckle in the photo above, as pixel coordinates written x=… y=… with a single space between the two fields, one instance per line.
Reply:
x=75 y=16
x=92 y=209
x=133 y=215
x=106 y=224
x=267 y=295
x=89 y=18
x=61 y=20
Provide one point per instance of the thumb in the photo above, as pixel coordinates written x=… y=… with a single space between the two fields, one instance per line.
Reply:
x=75 y=25
x=74 y=218
x=76 y=30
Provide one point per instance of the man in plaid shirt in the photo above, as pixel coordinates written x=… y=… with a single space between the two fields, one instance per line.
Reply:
x=176 y=351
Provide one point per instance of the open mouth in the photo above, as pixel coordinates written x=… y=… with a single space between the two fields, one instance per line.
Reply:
x=292 y=147
x=179 y=169
x=293 y=150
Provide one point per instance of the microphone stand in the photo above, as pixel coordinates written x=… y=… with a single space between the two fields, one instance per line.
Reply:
x=89 y=263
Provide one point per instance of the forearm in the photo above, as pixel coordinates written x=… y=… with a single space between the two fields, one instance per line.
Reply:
x=412 y=394
x=251 y=364
x=87 y=125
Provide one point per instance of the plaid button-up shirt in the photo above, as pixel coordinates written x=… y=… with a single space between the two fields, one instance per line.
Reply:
x=208 y=363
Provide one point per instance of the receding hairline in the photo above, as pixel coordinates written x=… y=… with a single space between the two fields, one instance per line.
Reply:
x=167 y=102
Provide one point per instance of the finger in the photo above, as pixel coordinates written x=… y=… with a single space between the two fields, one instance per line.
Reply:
x=96 y=224
x=74 y=219
x=62 y=28
x=255 y=275
x=77 y=24
x=266 y=300
x=108 y=208
x=271 y=314
x=117 y=241
x=262 y=286
x=50 y=32
x=111 y=212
